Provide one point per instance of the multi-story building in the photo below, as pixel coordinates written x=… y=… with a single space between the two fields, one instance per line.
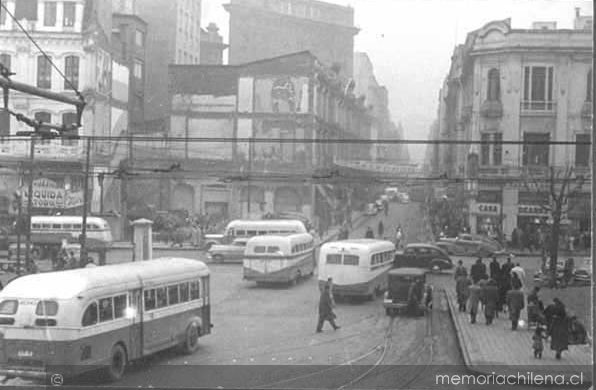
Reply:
x=173 y=38
x=283 y=98
x=76 y=36
x=532 y=86
x=261 y=29
x=212 y=46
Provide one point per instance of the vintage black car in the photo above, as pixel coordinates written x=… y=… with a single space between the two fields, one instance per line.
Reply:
x=405 y=285
x=425 y=256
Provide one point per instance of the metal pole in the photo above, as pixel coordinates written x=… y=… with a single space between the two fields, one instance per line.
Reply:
x=19 y=199
x=249 y=170
x=501 y=217
x=29 y=205
x=83 y=237
x=44 y=93
x=130 y=166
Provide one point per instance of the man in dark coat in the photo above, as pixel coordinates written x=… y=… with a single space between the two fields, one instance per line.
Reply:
x=491 y=296
x=475 y=294
x=369 y=233
x=559 y=328
x=478 y=270
x=381 y=229
x=507 y=267
x=515 y=302
x=495 y=269
x=326 y=310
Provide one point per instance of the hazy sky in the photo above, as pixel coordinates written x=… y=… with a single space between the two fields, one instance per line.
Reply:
x=410 y=43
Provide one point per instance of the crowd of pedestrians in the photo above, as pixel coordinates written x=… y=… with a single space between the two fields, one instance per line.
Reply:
x=502 y=292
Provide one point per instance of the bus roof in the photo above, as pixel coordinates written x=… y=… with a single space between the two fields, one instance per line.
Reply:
x=266 y=222
x=73 y=283
x=273 y=238
x=359 y=244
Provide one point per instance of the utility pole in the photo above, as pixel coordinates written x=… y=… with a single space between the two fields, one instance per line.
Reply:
x=501 y=216
x=18 y=202
x=248 y=200
x=29 y=204
x=83 y=236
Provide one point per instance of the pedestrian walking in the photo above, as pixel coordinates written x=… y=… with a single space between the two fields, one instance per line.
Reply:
x=478 y=270
x=521 y=274
x=515 y=302
x=428 y=302
x=475 y=293
x=381 y=229
x=462 y=289
x=507 y=267
x=538 y=345
x=398 y=237
x=559 y=328
x=495 y=269
x=369 y=233
x=326 y=310
x=386 y=208
x=491 y=296
x=516 y=282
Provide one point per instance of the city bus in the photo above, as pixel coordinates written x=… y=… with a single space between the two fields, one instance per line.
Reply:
x=274 y=259
x=248 y=228
x=70 y=322
x=358 y=267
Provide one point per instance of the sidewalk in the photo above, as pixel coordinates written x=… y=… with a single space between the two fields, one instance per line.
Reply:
x=497 y=349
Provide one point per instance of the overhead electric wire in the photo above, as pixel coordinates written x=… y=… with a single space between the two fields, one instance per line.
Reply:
x=76 y=91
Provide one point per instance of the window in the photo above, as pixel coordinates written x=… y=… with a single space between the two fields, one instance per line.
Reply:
x=26 y=9
x=273 y=249
x=90 y=315
x=582 y=150
x=333 y=259
x=488 y=197
x=350 y=260
x=49 y=14
x=173 y=297
x=139 y=38
x=106 y=312
x=44 y=117
x=195 y=290
x=494 y=87
x=532 y=198
x=260 y=249
x=5 y=60
x=119 y=306
x=538 y=88
x=138 y=69
x=162 y=297
x=537 y=152
x=491 y=142
x=69 y=14
x=2 y=16
x=71 y=70
x=9 y=306
x=69 y=118
x=589 y=87
x=44 y=72
x=497 y=149
x=485 y=149
x=149 y=298
x=184 y=292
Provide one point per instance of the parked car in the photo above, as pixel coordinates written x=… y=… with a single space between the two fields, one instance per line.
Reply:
x=371 y=209
x=470 y=245
x=403 y=197
x=392 y=193
x=232 y=252
x=380 y=204
x=397 y=296
x=425 y=256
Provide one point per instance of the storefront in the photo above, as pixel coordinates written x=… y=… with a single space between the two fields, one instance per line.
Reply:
x=485 y=218
x=530 y=217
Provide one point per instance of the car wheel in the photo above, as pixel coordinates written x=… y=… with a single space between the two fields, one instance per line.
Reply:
x=191 y=339
x=115 y=370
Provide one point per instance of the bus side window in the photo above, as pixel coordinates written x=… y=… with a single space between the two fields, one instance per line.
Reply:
x=56 y=226
x=162 y=297
x=106 y=312
x=205 y=281
x=77 y=226
x=149 y=298
x=90 y=315
x=273 y=249
x=173 y=295
x=195 y=292
x=184 y=292
x=119 y=306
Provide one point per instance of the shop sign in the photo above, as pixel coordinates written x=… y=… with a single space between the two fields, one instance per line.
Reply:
x=532 y=210
x=488 y=208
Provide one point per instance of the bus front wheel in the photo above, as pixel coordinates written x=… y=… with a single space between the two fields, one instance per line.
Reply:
x=191 y=339
x=117 y=366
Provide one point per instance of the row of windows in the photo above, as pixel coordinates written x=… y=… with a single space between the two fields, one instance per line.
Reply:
x=303 y=247
x=252 y=233
x=382 y=258
x=44 y=71
x=266 y=249
x=105 y=309
x=68 y=16
x=171 y=295
x=66 y=226
x=538 y=87
x=347 y=259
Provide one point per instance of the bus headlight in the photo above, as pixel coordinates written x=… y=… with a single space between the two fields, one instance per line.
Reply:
x=130 y=312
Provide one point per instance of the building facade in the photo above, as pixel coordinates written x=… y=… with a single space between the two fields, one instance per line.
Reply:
x=174 y=35
x=212 y=46
x=261 y=29
x=531 y=86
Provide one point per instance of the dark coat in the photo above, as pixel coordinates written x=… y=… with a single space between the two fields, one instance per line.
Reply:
x=491 y=296
x=559 y=329
x=461 y=271
x=477 y=271
x=475 y=292
x=462 y=289
x=495 y=270
x=515 y=301
x=369 y=234
x=325 y=305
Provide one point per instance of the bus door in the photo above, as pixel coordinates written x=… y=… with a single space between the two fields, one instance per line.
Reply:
x=135 y=299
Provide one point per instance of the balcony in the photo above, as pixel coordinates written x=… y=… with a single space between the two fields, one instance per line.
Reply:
x=19 y=149
x=538 y=107
x=491 y=109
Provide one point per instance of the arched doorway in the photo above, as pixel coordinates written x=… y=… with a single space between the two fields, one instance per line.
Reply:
x=287 y=199
x=183 y=198
x=256 y=199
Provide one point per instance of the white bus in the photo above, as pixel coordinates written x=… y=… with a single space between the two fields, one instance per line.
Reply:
x=70 y=322
x=358 y=267
x=279 y=258
x=72 y=226
x=248 y=228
